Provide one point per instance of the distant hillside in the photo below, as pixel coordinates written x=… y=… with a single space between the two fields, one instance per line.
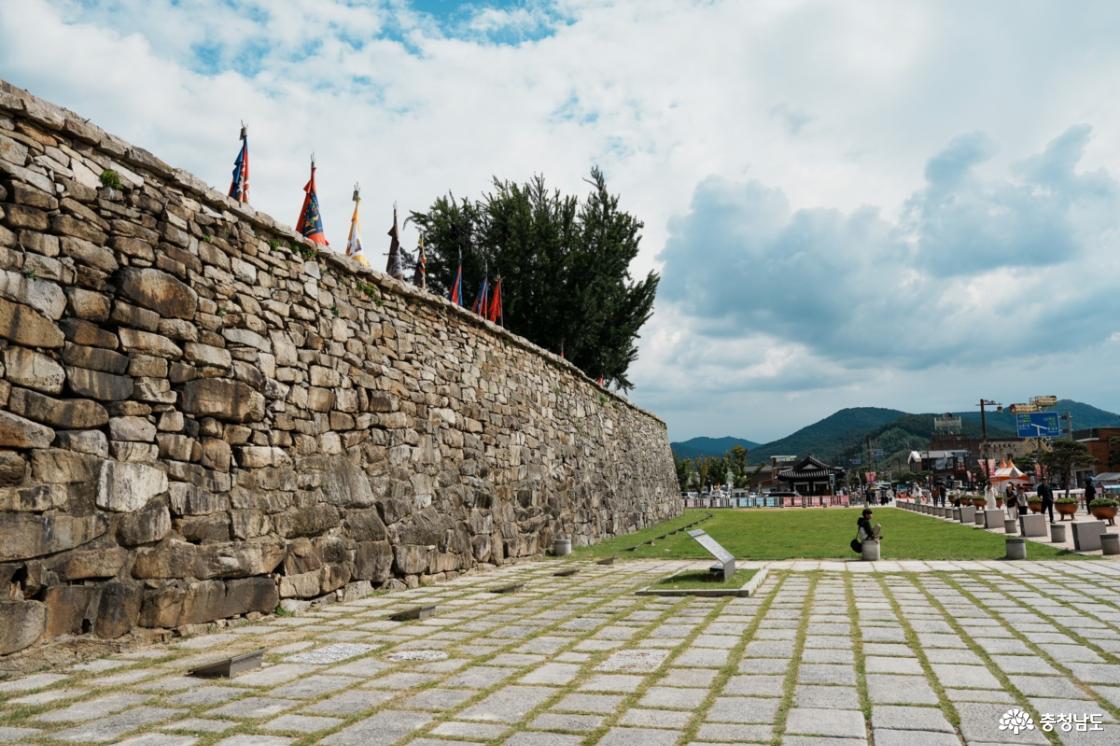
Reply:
x=709 y=446
x=843 y=435
x=830 y=437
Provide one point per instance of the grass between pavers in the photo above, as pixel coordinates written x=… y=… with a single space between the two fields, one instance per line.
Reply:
x=1040 y=650
x=857 y=651
x=961 y=631
x=789 y=685
x=702 y=579
x=815 y=533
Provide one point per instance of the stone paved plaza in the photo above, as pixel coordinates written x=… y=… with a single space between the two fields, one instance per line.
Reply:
x=913 y=653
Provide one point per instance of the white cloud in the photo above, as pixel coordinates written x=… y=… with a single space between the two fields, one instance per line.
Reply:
x=832 y=106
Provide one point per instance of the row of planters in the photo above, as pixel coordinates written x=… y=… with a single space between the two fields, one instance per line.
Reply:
x=1102 y=508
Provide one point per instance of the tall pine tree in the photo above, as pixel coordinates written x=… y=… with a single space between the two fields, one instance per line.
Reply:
x=564 y=263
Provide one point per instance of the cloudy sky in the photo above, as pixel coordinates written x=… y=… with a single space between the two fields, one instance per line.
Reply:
x=902 y=204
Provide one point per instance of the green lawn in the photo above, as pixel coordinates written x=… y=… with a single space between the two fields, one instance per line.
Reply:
x=703 y=579
x=814 y=533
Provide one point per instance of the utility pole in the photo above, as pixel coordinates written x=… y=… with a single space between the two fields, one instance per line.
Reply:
x=984 y=434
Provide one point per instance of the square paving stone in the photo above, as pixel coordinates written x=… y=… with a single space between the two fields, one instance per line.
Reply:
x=1024 y=664
x=598 y=703
x=639 y=737
x=977 y=695
x=980 y=722
x=9 y=734
x=743 y=710
x=158 y=739
x=386 y=726
x=205 y=695
x=612 y=683
x=278 y=674
x=673 y=698
x=437 y=699
x=909 y=718
x=962 y=676
x=688 y=677
x=350 y=702
x=254 y=741
x=552 y=673
x=880 y=664
x=31 y=683
x=200 y=725
x=764 y=665
x=887 y=737
x=510 y=704
x=829 y=697
x=536 y=738
x=400 y=680
x=566 y=721
x=253 y=708
x=828 y=655
x=314 y=686
x=817 y=722
x=733 y=733
x=656 y=718
x=300 y=724
x=91 y=708
x=896 y=689
x=702 y=658
x=469 y=730
x=111 y=728
x=826 y=673
x=757 y=686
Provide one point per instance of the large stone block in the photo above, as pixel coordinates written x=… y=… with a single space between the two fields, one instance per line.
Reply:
x=33 y=370
x=65 y=414
x=84 y=564
x=118 y=610
x=58 y=466
x=45 y=297
x=29 y=535
x=146 y=526
x=373 y=560
x=21 y=624
x=158 y=291
x=24 y=325
x=125 y=487
x=94 y=358
x=413 y=559
x=17 y=432
x=149 y=343
x=1033 y=524
x=13 y=467
x=223 y=399
x=70 y=609
x=97 y=384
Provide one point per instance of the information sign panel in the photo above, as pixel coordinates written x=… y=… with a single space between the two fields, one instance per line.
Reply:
x=1037 y=425
x=726 y=559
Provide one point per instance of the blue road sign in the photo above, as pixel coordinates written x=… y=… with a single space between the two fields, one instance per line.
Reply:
x=1037 y=425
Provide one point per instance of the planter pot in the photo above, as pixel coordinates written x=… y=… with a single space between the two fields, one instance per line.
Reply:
x=1105 y=513
x=999 y=502
x=1065 y=509
x=1035 y=506
x=979 y=502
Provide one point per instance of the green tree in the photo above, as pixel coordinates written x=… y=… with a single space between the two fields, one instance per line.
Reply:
x=564 y=264
x=737 y=460
x=1063 y=458
x=1114 y=453
x=684 y=471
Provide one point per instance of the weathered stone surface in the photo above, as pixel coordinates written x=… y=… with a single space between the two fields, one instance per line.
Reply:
x=82 y=564
x=158 y=291
x=208 y=600
x=33 y=370
x=27 y=535
x=125 y=487
x=35 y=497
x=13 y=467
x=118 y=610
x=97 y=384
x=24 y=325
x=87 y=304
x=17 y=432
x=188 y=499
x=68 y=609
x=373 y=560
x=135 y=429
x=203 y=354
x=83 y=332
x=21 y=624
x=147 y=526
x=59 y=413
x=84 y=441
x=94 y=358
x=59 y=466
x=224 y=399
x=136 y=340
x=45 y=297
x=413 y=559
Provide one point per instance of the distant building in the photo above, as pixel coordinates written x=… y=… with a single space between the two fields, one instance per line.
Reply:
x=1104 y=446
x=811 y=476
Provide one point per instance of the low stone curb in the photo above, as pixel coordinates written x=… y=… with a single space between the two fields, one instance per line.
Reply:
x=747 y=589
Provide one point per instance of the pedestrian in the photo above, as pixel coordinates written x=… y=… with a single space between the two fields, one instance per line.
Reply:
x=1016 y=502
x=1047 y=495
x=1090 y=493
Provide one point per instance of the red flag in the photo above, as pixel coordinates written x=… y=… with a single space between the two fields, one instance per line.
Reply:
x=494 y=313
x=457 y=287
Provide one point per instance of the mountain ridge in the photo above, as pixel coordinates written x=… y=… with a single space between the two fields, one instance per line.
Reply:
x=842 y=435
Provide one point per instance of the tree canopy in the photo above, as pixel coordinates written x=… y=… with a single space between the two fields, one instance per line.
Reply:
x=564 y=264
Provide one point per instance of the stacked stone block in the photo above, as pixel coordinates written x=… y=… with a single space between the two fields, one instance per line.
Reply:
x=201 y=416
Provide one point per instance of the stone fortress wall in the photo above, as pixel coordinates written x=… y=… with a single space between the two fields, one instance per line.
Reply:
x=200 y=416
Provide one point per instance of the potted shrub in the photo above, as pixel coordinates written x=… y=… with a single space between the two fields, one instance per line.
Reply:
x=1065 y=506
x=1104 y=508
x=979 y=501
x=1035 y=504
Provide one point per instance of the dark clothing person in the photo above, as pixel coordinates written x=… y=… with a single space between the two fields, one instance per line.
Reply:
x=864 y=530
x=1090 y=493
x=1047 y=495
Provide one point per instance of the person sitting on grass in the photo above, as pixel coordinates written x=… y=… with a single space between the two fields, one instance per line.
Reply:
x=864 y=529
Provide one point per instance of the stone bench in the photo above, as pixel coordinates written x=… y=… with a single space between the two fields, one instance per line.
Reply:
x=1110 y=543
x=870 y=550
x=967 y=514
x=994 y=518
x=1087 y=535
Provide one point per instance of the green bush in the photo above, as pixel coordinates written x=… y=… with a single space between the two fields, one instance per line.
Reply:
x=1104 y=502
x=111 y=179
x=1066 y=501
